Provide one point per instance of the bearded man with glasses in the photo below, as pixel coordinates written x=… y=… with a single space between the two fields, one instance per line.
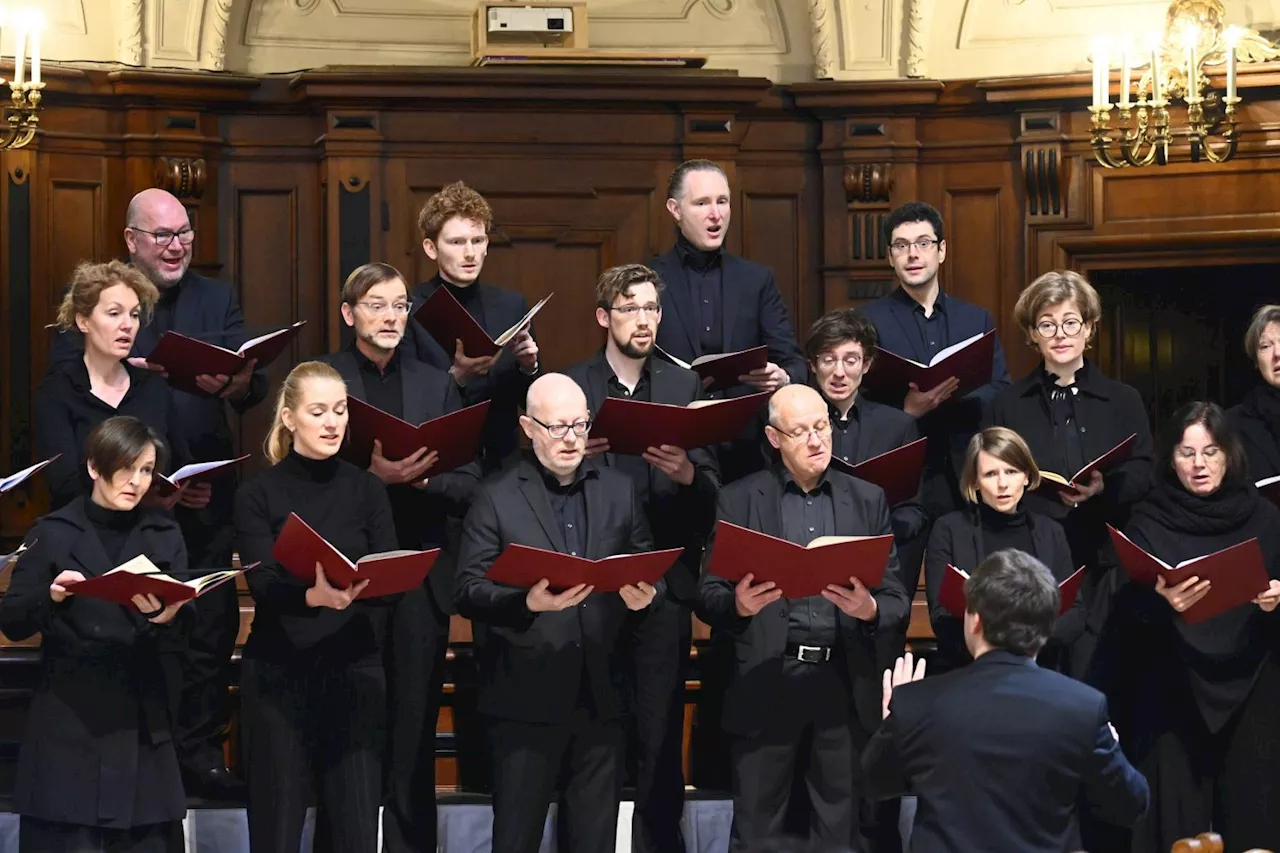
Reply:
x=160 y=241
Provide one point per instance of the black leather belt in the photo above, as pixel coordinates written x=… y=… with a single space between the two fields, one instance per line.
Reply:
x=809 y=654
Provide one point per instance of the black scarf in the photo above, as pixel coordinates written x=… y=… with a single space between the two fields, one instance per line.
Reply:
x=1174 y=508
x=692 y=256
x=1263 y=403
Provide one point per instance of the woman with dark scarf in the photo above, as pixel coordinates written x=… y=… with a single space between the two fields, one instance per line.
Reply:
x=998 y=471
x=1069 y=413
x=1195 y=703
x=1257 y=418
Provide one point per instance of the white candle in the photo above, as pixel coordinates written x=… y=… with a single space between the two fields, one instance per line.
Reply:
x=20 y=55
x=1124 y=77
x=1193 y=66
x=1232 y=36
x=1 y=36
x=1101 y=73
x=37 y=24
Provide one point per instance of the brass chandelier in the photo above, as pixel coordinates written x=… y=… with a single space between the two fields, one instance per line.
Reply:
x=21 y=114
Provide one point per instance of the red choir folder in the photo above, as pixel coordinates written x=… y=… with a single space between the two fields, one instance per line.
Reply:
x=969 y=361
x=16 y=479
x=446 y=320
x=522 y=566
x=1056 y=483
x=952 y=597
x=185 y=358
x=455 y=436
x=633 y=426
x=798 y=571
x=1268 y=488
x=896 y=471
x=298 y=548
x=724 y=368
x=197 y=472
x=1236 y=575
x=140 y=576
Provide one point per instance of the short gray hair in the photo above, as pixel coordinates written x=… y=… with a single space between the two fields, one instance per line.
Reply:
x=1263 y=317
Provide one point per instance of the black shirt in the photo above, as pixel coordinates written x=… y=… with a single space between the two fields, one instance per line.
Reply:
x=349 y=508
x=383 y=389
x=633 y=466
x=805 y=517
x=1062 y=414
x=112 y=527
x=702 y=271
x=935 y=334
x=66 y=411
x=844 y=432
x=470 y=298
x=569 y=506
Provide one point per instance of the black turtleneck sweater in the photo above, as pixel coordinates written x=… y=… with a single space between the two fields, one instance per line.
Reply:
x=702 y=271
x=112 y=527
x=998 y=531
x=469 y=296
x=346 y=505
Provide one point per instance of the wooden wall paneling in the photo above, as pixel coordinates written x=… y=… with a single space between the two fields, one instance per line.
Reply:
x=17 y=438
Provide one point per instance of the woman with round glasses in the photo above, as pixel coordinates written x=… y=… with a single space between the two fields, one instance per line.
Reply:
x=1069 y=414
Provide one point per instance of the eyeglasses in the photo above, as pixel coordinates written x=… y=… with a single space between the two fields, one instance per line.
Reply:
x=580 y=428
x=630 y=311
x=851 y=362
x=821 y=429
x=1049 y=329
x=377 y=309
x=1209 y=453
x=163 y=238
x=924 y=244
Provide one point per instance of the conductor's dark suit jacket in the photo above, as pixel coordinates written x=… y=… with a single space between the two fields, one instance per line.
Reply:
x=531 y=665
x=998 y=754
x=97 y=738
x=753 y=696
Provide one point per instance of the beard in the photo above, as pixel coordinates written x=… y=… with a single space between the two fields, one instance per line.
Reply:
x=631 y=350
x=371 y=338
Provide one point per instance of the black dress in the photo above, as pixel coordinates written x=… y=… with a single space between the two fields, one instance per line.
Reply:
x=1257 y=422
x=1195 y=704
x=312 y=682
x=97 y=768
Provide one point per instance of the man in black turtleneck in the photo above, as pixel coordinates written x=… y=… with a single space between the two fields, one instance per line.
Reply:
x=717 y=302
x=455 y=225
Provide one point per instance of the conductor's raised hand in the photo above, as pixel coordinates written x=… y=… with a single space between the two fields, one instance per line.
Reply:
x=540 y=598
x=905 y=670
x=154 y=609
x=750 y=599
x=637 y=596
x=465 y=368
x=1184 y=595
x=325 y=594
x=58 y=589
x=854 y=601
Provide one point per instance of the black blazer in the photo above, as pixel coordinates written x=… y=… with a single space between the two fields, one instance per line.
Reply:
x=505 y=384
x=430 y=517
x=97 y=735
x=1106 y=413
x=531 y=665
x=66 y=411
x=998 y=754
x=1260 y=443
x=752 y=314
x=883 y=428
x=752 y=698
x=206 y=309
x=679 y=516
x=956 y=540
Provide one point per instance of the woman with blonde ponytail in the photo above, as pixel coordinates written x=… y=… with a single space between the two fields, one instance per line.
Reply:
x=312 y=684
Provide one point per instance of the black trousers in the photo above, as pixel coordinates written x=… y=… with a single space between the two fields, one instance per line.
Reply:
x=659 y=650
x=1226 y=780
x=816 y=713
x=316 y=727
x=42 y=836
x=583 y=757
x=419 y=638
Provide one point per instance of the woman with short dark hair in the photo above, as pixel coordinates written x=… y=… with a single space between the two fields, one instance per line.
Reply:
x=1257 y=418
x=97 y=770
x=1195 y=703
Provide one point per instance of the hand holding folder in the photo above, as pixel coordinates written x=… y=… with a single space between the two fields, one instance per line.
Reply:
x=455 y=436
x=185 y=358
x=798 y=571
x=1052 y=483
x=141 y=577
x=633 y=426
x=1236 y=575
x=299 y=549
x=446 y=320
x=16 y=479
x=723 y=369
x=897 y=471
x=951 y=595
x=968 y=361
x=197 y=472
x=523 y=566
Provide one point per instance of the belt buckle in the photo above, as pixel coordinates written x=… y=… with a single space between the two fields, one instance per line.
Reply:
x=813 y=654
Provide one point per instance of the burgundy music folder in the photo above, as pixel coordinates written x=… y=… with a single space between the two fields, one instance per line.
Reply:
x=633 y=426
x=140 y=576
x=455 y=436
x=952 y=597
x=446 y=320
x=1236 y=575
x=19 y=477
x=897 y=471
x=298 y=548
x=724 y=368
x=1057 y=484
x=197 y=472
x=185 y=358
x=522 y=566
x=969 y=361
x=798 y=571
